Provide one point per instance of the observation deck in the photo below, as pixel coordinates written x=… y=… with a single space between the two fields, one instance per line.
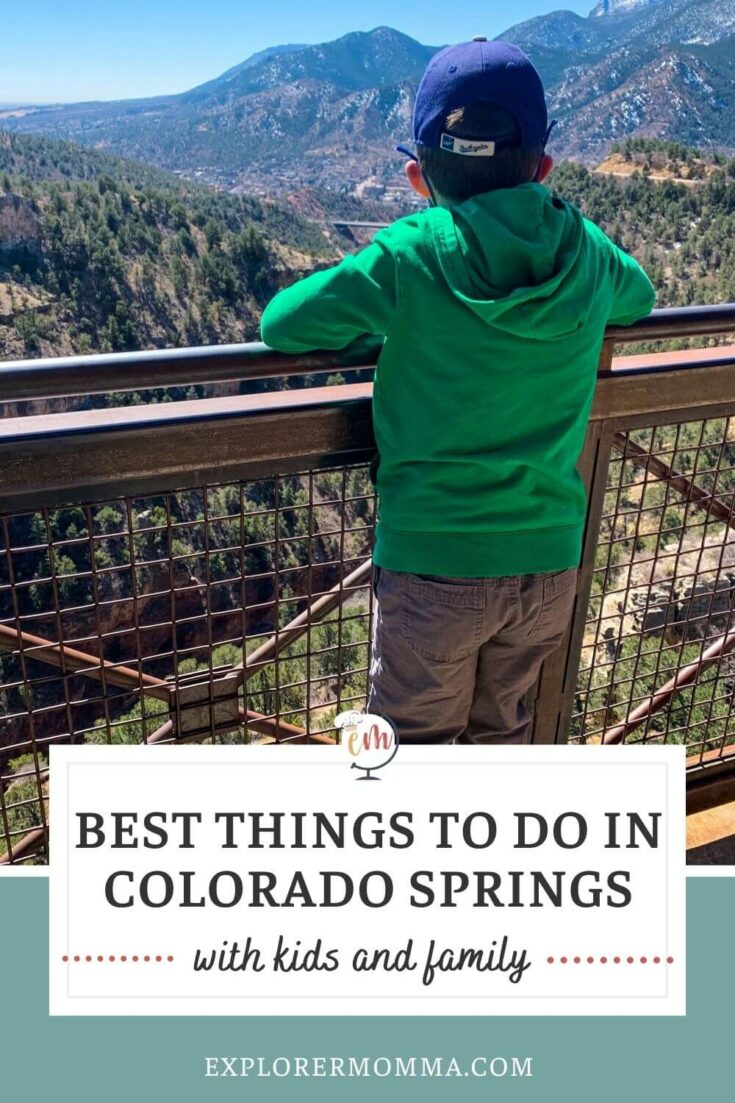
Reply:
x=200 y=569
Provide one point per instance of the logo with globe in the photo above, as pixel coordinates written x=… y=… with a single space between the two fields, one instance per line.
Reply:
x=369 y=740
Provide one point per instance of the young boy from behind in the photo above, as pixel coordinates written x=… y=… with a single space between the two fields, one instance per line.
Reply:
x=493 y=304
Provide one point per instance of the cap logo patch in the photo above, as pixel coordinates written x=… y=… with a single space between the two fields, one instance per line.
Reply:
x=467 y=148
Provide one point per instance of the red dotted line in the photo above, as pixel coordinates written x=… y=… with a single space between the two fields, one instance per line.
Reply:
x=605 y=960
x=120 y=957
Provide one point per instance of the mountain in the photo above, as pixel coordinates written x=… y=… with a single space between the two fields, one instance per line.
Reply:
x=356 y=61
x=670 y=22
x=618 y=7
x=664 y=21
x=263 y=55
x=658 y=68
x=331 y=113
x=98 y=253
x=685 y=94
x=560 y=30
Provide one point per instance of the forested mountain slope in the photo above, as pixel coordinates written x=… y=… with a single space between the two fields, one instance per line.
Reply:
x=99 y=253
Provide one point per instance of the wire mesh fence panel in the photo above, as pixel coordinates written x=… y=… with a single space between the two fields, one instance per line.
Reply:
x=240 y=611
x=221 y=613
x=657 y=661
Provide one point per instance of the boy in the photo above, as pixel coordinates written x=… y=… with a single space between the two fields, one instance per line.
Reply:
x=493 y=303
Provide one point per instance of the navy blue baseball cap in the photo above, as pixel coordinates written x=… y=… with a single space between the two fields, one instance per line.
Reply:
x=496 y=73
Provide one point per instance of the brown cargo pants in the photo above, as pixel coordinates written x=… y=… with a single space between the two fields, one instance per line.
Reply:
x=453 y=658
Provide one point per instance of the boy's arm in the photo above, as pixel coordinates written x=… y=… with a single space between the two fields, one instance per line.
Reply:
x=634 y=294
x=330 y=309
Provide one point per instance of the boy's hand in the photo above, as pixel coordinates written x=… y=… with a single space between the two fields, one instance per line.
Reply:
x=363 y=352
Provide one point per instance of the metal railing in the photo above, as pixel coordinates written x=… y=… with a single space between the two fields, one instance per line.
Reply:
x=201 y=569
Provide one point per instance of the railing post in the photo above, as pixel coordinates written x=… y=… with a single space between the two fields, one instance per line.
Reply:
x=604 y=365
x=556 y=686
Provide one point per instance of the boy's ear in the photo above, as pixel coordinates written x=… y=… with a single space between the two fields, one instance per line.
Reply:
x=415 y=177
x=546 y=164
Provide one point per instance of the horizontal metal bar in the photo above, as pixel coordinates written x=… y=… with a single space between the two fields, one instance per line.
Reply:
x=26 y=847
x=707 y=356
x=52 y=459
x=712 y=784
x=637 y=391
x=69 y=376
x=58 y=458
x=70 y=659
x=678 y=321
x=278 y=730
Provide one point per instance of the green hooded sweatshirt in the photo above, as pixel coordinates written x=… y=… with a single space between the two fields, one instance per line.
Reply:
x=493 y=313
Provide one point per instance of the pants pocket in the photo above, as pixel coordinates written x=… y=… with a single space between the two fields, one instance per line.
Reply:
x=557 y=600
x=442 y=619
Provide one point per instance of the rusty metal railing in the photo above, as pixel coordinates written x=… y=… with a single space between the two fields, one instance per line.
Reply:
x=226 y=612
x=200 y=569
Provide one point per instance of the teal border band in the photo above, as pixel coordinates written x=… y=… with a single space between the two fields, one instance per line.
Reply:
x=137 y=1060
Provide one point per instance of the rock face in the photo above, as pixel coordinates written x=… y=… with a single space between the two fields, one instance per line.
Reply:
x=19 y=224
x=20 y=232
x=675 y=610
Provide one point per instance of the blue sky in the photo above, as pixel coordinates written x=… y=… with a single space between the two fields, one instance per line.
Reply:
x=70 y=50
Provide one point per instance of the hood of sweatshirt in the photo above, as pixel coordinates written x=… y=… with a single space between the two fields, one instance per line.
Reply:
x=516 y=258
